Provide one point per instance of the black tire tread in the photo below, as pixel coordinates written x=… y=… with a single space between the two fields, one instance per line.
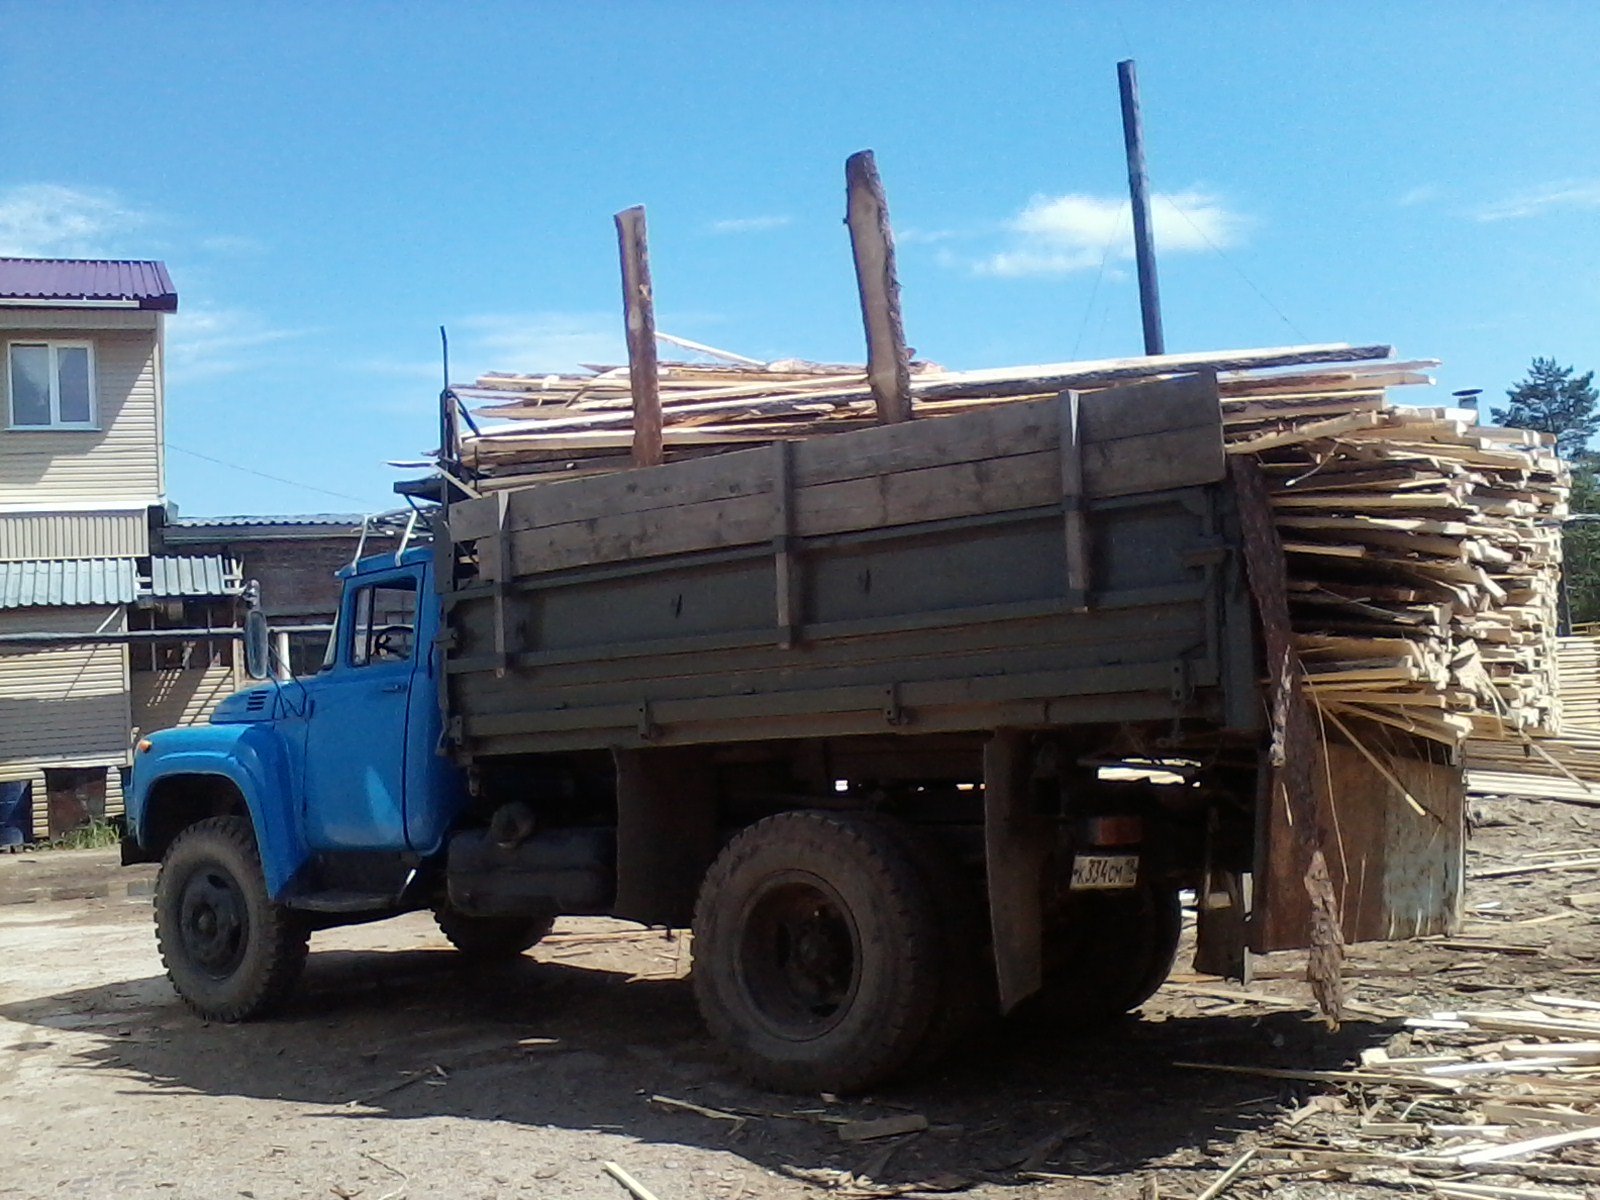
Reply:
x=869 y=847
x=488 y=938
x=968 y=992
x=1104 y=984
x=280 y=931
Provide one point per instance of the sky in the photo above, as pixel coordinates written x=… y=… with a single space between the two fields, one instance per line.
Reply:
x=329 y=184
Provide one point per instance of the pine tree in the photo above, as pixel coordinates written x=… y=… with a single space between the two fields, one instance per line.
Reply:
x=1552 y=400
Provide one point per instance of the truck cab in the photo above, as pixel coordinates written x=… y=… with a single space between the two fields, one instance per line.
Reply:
x=338 y=773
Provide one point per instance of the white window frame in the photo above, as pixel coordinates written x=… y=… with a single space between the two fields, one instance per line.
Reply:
x=56 y=423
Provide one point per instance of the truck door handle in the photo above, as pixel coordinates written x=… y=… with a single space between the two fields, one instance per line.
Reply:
x=393 y=687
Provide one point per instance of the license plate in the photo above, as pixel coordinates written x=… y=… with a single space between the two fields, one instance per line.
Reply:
x=1104 y=872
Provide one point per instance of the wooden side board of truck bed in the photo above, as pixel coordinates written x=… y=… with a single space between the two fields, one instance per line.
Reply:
x=1037 y=564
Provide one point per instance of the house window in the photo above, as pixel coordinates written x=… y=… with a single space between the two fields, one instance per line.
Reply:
x=52 y=385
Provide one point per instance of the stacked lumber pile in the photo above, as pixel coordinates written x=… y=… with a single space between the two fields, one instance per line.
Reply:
x=1578 y=668
x=1424 y=560
x=1501 y=1103
x=1564 y=766
x=1423 y=548
x=558 y=426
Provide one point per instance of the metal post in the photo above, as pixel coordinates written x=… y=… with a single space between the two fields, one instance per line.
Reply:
x=1139 y=191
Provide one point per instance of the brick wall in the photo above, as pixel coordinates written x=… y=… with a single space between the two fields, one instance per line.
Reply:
x=297 y=580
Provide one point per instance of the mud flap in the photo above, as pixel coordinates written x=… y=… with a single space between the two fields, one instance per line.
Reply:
x=1017 y=844
x=666 y=832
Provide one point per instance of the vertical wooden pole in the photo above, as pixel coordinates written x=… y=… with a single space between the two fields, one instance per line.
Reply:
x=872 y=242
x=639 y=310
x=1144 y=250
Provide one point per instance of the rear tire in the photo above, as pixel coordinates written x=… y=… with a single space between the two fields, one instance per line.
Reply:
x=487 y=939
x=1110 y=953
x=969 y=996
x=231 y=953
x=817 y=952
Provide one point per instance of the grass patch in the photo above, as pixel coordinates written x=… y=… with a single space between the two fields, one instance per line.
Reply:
x=96 y=835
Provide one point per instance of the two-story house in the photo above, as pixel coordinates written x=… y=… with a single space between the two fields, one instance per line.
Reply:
x=81 y=483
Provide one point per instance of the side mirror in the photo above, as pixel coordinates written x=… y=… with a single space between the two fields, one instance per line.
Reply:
x=255 y=644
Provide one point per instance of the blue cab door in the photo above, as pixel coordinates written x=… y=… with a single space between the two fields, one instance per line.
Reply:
x=356 y=745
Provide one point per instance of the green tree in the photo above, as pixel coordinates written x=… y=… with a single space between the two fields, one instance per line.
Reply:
x=1580 y=546
x=1554 y=399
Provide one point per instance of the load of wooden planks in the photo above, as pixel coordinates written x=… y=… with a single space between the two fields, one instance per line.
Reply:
x=1564 y=766
x=1424 y=549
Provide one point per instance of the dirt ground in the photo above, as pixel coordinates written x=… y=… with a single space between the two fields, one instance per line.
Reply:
x=398 y=1073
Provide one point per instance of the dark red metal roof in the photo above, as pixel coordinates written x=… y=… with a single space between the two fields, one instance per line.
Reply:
x=87 y=280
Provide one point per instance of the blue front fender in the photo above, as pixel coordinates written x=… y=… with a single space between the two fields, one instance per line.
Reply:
x=255 y=759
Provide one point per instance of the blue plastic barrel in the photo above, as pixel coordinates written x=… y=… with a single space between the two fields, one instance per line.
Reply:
x=16 y=812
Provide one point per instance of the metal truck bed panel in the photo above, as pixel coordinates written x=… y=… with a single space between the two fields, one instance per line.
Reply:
x=919 y=593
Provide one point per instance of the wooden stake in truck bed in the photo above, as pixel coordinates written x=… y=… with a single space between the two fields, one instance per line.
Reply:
x=913 y=724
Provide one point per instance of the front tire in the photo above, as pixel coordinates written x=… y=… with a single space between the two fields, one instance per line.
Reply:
x=230 y=952
x=817 y=952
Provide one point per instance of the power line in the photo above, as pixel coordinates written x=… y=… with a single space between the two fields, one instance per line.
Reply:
x=310 y=487
x=1105 y=257
x=1238 y=270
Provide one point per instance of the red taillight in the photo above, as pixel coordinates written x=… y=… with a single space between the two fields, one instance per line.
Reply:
x=1113 y=831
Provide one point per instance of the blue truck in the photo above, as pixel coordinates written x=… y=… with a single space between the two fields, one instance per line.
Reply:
x=911 y=726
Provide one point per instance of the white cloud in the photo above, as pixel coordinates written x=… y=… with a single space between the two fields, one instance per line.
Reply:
x=232 y=245
x=208 y=343
x=47 y=220
x=1550 y=197
x=751 y=224
x=1424 y=193
x=534 y=342
x=1057 y=235
x=924 y=237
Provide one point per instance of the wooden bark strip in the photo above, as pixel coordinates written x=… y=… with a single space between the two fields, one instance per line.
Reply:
x=872 y=243
x=638 y=306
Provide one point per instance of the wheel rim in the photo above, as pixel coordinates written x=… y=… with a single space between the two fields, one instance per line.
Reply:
x=213 y=922
x=799 y=956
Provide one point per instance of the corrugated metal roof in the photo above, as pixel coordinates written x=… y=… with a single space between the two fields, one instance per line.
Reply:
x=88 y=279
x=70 y=581
x=204 y=575
x=352 y=519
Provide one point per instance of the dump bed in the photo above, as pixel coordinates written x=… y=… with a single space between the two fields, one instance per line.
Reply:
x=1041 y=563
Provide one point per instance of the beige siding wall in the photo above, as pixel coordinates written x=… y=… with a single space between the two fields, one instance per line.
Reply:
x=167 y=699
x=78 y=320
x=25 y=536
x=64 y=705
x=120 y=461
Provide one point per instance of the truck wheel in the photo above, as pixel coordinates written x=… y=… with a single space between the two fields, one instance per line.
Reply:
x=231 y=953
x=1109 y=954
x=968 y=995
x=817 y=952
x=488 y=938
